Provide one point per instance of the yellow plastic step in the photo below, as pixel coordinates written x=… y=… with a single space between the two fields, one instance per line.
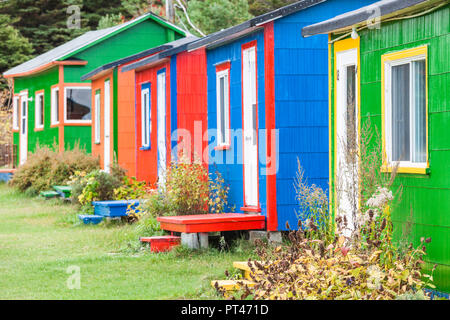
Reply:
x=243 y=265
x=231 y=285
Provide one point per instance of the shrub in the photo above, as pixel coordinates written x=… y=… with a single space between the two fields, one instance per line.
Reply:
x=313 y=213
x=190 y=189
x=131 y=189
x=45 y=168
x=96 y=185
x=307 y=269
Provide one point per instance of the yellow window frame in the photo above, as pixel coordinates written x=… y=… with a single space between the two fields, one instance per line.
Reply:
x=391 y=57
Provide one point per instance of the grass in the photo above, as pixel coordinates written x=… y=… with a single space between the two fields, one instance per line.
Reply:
x=40 y=239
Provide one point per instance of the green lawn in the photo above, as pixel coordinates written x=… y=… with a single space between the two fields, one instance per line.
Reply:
x=40 y=240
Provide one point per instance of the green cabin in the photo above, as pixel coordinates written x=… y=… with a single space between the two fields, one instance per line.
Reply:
x=52 y=105
x=390 y=70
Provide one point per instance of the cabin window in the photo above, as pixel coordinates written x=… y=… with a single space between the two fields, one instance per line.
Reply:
x=406 y=111
x=146 y=121
x=39 y=111
x=223 y=108
x=97 y=118
x=16 y=113
x=55 y=106
x=78 y=104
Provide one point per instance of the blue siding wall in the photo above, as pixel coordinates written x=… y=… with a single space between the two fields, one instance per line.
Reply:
x=233 y=173
x=301 y=105
x=301 y=102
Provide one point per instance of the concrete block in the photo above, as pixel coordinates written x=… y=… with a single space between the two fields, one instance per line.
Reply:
x=272 y=236
x=203 y=239
x=195 y=240
x=190 y=240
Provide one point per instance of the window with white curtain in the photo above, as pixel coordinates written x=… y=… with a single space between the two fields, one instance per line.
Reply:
x=55 y=106
x=16 y=113
x=97 y=117
x=39 y=111
x=405 y=99
x=223 y=108
x=145 y=117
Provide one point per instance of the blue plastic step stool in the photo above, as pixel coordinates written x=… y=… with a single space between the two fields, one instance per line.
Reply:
x=113 y=209
x=90 y=218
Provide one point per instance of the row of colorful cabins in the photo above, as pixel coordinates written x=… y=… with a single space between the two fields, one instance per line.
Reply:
x=202 y=95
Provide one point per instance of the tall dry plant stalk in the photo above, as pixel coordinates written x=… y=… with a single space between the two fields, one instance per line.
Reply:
x=359 y=176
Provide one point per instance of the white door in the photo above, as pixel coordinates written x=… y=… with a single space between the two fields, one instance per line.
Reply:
x=107 y=122
x=23 y=128
x=250 y=143
x=161 y=121
x=347 y=136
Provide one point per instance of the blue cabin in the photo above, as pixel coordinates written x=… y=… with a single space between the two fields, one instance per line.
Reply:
x=268 y=105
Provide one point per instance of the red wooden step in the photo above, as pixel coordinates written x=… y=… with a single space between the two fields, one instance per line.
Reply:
x=161 y=243
x=213 y=222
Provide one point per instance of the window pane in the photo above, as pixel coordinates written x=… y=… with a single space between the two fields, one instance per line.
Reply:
x=222 y=108
x=419 y=91
x=16 y=112
x=56 y=108
x=41 y=110
x=145 y=117
x=97 y=118
x=400 y=113
x=351 y=108
x=78 y=104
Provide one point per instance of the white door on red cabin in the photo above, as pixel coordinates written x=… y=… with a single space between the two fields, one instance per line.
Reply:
x=250 y=143
x=23 y=128
x=107 y=133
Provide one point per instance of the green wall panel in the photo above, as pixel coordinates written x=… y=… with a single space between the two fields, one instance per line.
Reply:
x=140 y=37
x=427 y=197
x=80 y=135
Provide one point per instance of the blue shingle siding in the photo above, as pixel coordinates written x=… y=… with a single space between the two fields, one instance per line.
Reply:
x=233 y=173
x=301 y=105
x=301 y=102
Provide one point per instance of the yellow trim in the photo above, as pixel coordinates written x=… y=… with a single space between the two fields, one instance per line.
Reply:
x=330 y=104
x=389 y=57
x=339 y=46
x=411 y=170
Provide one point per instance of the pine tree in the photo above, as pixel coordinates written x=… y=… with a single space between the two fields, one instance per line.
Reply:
x=258 y=7
x=14 y=48
x=214 y=15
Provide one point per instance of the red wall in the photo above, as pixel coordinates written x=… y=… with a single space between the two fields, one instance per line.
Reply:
x=146 y=162
x=191 y=93
x=192 y=97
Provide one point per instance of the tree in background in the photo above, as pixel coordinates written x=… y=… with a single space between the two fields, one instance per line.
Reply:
x=139 y=7
x=258 y=7
x=110 y=21
x=14 y=49
x=212 y=15
x=42 y=22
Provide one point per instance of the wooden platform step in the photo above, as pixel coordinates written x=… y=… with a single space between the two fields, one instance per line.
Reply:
x=161 y=243
x=49 y=194
x=231 y=285
x=63 y=191
x=244 y=267
x=203 y=223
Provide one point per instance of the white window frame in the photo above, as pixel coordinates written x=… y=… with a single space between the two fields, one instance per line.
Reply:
x=16 y=118
x=388 y=111
x=146 y=134
x=97 y=102
x=65 y=104
x=38 y=112
x=54 y=105
x=223 y=141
